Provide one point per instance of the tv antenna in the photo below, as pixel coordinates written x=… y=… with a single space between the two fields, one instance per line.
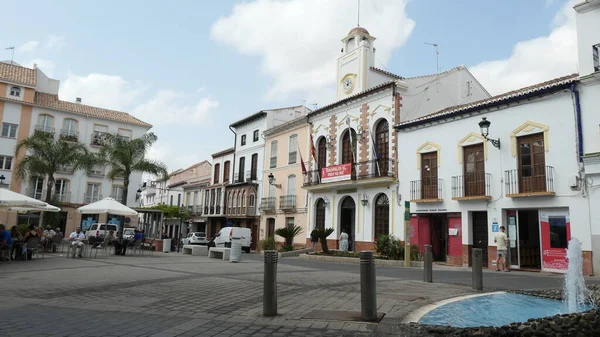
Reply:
x=12 y=59
x=358 y=15
x=437 y=57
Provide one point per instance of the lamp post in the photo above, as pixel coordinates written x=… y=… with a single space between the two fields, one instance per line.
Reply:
x=484 y=126
x=179 y=236
x=365 y=199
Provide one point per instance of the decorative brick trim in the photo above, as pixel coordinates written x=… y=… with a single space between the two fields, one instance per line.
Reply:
x=333 y=137
x=310 y=157
x=363 y=156
x=466 y=255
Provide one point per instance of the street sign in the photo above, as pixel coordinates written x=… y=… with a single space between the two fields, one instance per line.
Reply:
x=495 y=227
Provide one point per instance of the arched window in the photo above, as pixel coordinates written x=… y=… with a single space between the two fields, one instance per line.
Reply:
x=273 y=157
x=321 y=153
x=348 y=147
x=69 y=130
x=234 y=203
x=291 y=185
x=45 y=123
x=251 y=200
x=239 y=203
x=229 y=203
x=320 y=214
x=382 y=215
x=292 y=149
x=15 y=91
x=61 y=190
x=382 y=144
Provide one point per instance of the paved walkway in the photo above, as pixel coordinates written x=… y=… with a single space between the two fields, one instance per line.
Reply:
x=175 y=295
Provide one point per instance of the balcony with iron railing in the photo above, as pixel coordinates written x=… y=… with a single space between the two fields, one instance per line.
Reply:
x=471 y=186
x=98 y=138
x=529 y=181
x=251 y=176
x=237 y=178
x=97 y=172
x=267 y=205
x=198 y=209
x=69 y=135
x=426 y=190
x=66 y=169
x=88 y=198
x=287 y=202
x=362 y=173
x=38 y=194
x=45 y=129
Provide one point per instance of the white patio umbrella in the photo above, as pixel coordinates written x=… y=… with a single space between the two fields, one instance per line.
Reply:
x=106 y=205
x=48 y=208
x=10 y=199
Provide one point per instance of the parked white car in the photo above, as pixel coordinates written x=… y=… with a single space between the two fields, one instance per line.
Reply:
x=128 y=232
x=223 y=238
x=195 y=238
x=99 y=229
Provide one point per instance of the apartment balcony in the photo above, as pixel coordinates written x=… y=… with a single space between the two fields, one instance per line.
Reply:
x=237 y=178
x=44 y=129
x=98 y=138
x=370 y=173
x=88 y=198
x=287 y=203
x=251 y=176
x=530 y=181
x=41 y=195
x=472 y=186
x=65 y=169
x=69 y=135
x=427 y=190
x=267 y=205
x=97 y=172
x=198 y=209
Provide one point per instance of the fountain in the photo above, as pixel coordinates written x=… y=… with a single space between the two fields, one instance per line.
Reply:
x=575 y=293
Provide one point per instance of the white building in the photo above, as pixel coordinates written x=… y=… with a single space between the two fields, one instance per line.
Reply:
x=213 y=200
x=245 y=190
x=352 y=176
x=530 y=178
x=29 y=103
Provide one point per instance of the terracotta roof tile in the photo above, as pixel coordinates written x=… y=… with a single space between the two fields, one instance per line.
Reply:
x=51 y=101
x=498 y=99
x=387 y=73
x=17 y=74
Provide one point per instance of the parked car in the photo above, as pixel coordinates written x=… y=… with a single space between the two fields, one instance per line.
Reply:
x=223 y=238
x=128 y=232
x=195 y=238
x=99 y=229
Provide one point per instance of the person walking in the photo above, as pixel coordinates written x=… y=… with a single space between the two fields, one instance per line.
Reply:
x=501 y=249
x=344 y=241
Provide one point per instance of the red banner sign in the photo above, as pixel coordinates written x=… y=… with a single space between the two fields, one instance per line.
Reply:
x=336 y=173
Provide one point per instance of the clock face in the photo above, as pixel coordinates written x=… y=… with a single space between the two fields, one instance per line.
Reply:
x=348 y=84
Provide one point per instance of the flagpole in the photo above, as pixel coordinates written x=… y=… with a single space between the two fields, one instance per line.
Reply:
x=376 y=154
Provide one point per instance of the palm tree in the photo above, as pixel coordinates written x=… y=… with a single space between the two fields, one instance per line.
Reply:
x=47 y=155
x=289 y=233
x=125 y=156
x=322 y=234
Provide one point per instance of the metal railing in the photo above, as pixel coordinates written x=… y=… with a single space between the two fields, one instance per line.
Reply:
x=287 y=202
x=251 y=176
x=44 y=128
x=267 y=204
x=93 y=197
x=63 y=197
x=98 y=138
x=199 y=209
x=205 y=209
x=97 y=172
x=426 y=189
x=374 y=168
x=471 y=185
x=237 y=178
x=65 y=169
x=251 y=210
x=533 y=179
x=218 y=209
x=212 y=209
x=69 y=135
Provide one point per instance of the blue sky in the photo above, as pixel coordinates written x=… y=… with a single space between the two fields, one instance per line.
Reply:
x=193 y=67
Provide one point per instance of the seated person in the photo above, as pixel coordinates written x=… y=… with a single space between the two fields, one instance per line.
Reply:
x=76 y=239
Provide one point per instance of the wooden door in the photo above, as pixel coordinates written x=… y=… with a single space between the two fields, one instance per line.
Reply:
x=532 y=164
x=480 y=235
x=429 y=176
x=474 y=170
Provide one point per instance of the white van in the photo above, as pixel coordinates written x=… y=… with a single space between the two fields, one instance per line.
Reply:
x=223 y=238
x=99 y=229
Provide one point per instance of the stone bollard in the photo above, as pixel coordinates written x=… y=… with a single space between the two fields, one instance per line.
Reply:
x=476 y=268
x=427 y=264
x=368 y=292
x=270 y=284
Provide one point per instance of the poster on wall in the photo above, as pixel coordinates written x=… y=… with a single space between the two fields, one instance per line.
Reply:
x=556 y=233
x=336 y=173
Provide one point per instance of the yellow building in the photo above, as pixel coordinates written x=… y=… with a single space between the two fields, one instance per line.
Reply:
x=284 y=201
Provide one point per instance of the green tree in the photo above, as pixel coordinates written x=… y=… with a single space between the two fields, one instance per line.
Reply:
x=125 y=156
x=289 y=233
x=173 y=212
x=46 y=155
x=322 y=234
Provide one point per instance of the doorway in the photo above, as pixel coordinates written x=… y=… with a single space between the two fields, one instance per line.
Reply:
x=480 y=235
x=270 y=227
x=528 y=240
x=439 y=236
x=347 y=218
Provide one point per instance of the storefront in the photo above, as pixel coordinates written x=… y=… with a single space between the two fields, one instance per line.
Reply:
x=441 y=230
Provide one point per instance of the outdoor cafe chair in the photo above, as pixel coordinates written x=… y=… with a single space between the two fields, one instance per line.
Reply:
x=34 y=246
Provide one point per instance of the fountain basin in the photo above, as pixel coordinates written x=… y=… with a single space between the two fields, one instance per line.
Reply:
x=494 y=310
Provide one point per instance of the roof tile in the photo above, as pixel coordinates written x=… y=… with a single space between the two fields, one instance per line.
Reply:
x=17 y=74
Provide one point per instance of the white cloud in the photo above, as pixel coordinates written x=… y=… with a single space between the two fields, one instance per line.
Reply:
x=47 y=66
x=167 y=108
x=28 y=46
x=297 y=53
x=107 y=91
x=536 y=60
x=54 y=41
x=169 y=155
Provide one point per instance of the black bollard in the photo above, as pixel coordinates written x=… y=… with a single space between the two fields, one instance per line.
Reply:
x=427 y=264
x=368 y=292
x=476 y=268
x=270 y=284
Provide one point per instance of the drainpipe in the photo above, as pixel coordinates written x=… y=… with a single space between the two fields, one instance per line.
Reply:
x=577 y=106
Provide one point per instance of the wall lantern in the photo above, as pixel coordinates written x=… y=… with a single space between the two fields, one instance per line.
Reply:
x=365 y=199
x=484 y=126
x=272 y=181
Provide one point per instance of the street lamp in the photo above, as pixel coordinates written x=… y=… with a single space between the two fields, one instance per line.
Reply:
x=2 y=184
x=272 y=180
x=365 y=199
x=484 y=126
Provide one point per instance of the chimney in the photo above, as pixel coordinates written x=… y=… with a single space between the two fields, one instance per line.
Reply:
x=78 y=100
x=35 y=66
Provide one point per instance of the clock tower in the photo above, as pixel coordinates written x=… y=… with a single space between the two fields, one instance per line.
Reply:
x=358 y=55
